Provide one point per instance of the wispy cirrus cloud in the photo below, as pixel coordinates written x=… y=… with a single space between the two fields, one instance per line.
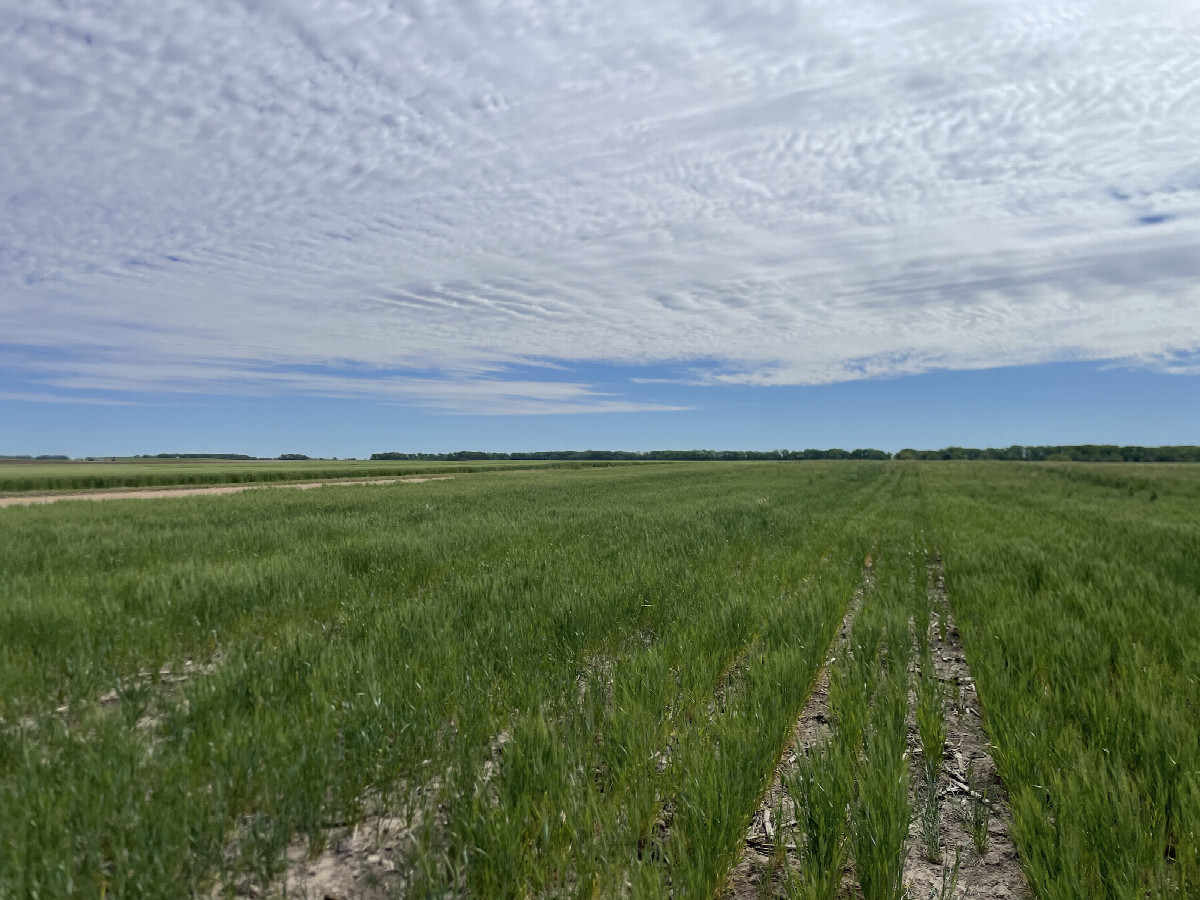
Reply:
x=254 y=196
x=45 y=397
x=96 y=375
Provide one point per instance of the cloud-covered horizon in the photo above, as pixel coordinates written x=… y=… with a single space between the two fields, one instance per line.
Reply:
x=258 y=196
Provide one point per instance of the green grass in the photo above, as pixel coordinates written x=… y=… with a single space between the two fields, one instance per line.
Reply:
x=1076 y=594
x=581 y=680
x=879 y=813
x=821 y=787
x=373 y=642
x=852 y=791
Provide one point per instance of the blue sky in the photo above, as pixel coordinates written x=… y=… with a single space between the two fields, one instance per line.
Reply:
x=343 y=227
x=1066 y=403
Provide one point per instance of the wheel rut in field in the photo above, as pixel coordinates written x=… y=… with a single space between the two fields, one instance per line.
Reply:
x=767 y=850
x=968 y=787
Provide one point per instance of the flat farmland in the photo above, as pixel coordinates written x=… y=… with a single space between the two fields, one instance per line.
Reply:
x=801 y=679
x=18 y=476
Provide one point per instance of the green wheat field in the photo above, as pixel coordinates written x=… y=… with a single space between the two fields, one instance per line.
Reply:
x=584 y=681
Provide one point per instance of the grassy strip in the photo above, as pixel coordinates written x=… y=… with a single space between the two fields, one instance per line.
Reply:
x=930 y=720
x=649 y=778
x=851 y=793
x=879 y=813
x=1075 y=595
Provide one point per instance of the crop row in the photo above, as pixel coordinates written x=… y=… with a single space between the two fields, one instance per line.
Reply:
x=851 y=792
x=1077 y=600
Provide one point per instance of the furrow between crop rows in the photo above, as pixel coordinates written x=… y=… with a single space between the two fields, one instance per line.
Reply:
x=770 y=850
x=720 y=762
x=960 y=842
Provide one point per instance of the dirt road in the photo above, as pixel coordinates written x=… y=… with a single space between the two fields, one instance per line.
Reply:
x=158 y=493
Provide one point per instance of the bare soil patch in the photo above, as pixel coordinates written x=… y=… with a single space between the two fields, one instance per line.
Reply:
x=145 y=690
x=371 y=859
x=967 y=774
x=160 y=493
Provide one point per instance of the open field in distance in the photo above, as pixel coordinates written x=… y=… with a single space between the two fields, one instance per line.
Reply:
x=589 y=682
x=24 y=476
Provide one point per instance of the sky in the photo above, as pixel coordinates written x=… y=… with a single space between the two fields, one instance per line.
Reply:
x=342 y=227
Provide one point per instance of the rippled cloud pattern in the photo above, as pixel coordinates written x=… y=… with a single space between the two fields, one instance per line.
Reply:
x=413 y=201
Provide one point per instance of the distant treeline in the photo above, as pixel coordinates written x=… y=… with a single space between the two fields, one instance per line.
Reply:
x=586 y=455
x=217 y=456
x=1076 y=453
x=1071 y=453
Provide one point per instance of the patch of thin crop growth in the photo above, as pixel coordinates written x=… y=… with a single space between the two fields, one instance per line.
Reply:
x=947 y=886
x=978 y=807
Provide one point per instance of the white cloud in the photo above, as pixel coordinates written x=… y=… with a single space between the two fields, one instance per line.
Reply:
x=472 y=392
x=201 y=197
x=42 y=397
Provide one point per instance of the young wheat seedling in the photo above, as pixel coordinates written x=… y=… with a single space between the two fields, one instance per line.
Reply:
x=821 y=788
x=880 y=816
x=930 y=820
x=930 y=724
x=979 y=811
x=945 y=891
